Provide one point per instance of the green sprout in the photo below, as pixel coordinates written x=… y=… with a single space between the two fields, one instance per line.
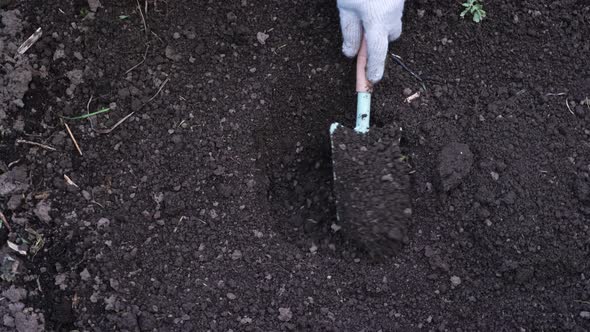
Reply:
x=84 y=116
x=84 y=12
x=475 y=8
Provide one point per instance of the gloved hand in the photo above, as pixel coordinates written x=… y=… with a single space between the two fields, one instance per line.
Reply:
x=381 y=21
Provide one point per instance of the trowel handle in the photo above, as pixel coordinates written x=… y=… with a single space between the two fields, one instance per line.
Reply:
x=363 y=89
x=362 y=84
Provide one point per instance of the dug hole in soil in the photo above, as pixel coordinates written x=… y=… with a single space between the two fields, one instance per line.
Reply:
x=202 y=200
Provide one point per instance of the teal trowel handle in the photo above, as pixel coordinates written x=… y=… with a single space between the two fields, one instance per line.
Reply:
x=363 y=112
x=363 y=88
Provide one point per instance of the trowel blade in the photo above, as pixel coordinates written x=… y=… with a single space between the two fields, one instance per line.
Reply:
x=371 y=185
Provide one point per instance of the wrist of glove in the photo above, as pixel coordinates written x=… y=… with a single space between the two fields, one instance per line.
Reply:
x=380 y=20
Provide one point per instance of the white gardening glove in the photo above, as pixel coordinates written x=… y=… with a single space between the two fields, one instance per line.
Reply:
x=382 y=23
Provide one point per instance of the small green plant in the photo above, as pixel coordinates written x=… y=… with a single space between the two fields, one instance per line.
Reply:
x=475 y=8
x=84 y=12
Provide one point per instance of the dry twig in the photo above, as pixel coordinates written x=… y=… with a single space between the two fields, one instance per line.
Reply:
x=159 y=90
x=412 y=97
x=5 y=221
x=46 y=147
x=141 y=62
x=107 y=131
x=567 y=103
x=72 y=137
x=30 y=41
x=142 y=18
x=70 y=182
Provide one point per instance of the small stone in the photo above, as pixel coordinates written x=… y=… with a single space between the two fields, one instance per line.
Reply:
x=231 y=296
x=60 y=280
x=231 y=16
x=14 y=202
x=103 y=222
x=176 y=35
x=85 y=275
x=429 y=252
x=236 y=255
x=78 y=56
x=285 y=314
x=313 y=249
x=495 y=176
x=15 y=294
x=59 y=54
x=8 y=320
x=86 y=195
x=245 y=320
x=42 y=211
x=488 y=222
x=387 y=178
x=262 y=37
x=585 y=314
x=189 y=34
x=93 y=5
x=407 y=92
x=456 y=281
x=251 y=183
x=171 y=53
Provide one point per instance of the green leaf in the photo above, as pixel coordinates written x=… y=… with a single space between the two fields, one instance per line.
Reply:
x=84 y=116
x=476 y=17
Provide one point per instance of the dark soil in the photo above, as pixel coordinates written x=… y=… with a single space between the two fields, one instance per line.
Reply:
x=456 y=161
x=371 y=187
x=211 y=206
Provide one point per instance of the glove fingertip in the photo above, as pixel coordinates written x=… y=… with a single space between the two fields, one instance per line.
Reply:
x=375 y=74
x=349 y=50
